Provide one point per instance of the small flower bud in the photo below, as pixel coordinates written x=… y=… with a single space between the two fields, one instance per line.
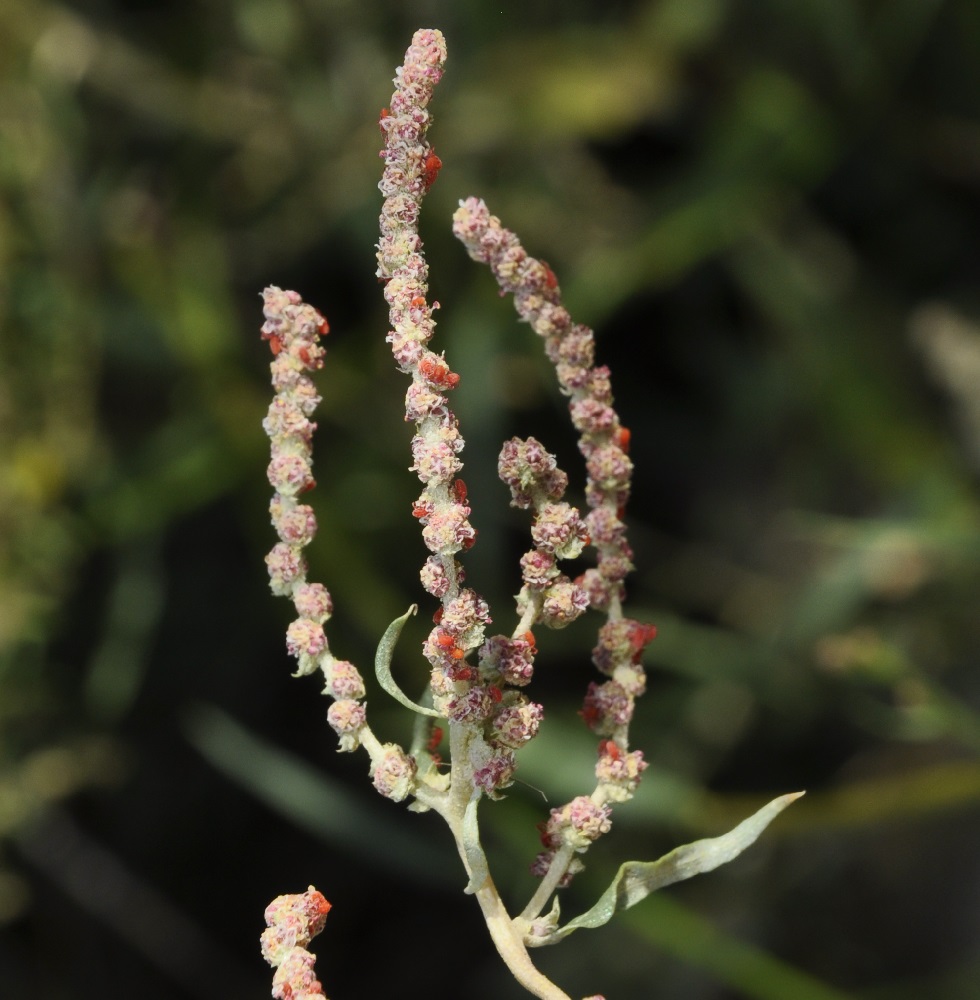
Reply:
x=578 y=823
x=286 y=568
x=515 y=725
x=619 y=772
x=290 y=474
x=344 y=681
x=512 y=658
x=621 y=641
x=607 y=707
x=295 y=978
x=473 y=705
x=433 y=576
x=394 y=775
x=563 y=602
x=295 y=524
x=493 y=768
x=538 y=569
x=346 y=719
x=559 y=529
x=312 y=600
x=306 y=641
x=292 y=921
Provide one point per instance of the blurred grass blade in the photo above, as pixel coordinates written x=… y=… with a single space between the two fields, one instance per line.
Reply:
x=312 y=800
x=754 y=973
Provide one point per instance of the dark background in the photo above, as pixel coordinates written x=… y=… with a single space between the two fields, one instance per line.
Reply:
x=768 y=211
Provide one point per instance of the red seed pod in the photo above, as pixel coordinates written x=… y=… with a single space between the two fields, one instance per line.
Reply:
x=435 y=738
x=640 y=635
x=430 y=169
x=459 y=491
x=550 y=280
x=623 y=438
x=436 y=372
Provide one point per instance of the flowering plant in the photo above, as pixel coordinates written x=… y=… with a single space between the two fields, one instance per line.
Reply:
x=476 y=693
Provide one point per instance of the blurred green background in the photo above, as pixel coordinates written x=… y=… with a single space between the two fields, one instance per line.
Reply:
x=768 y=211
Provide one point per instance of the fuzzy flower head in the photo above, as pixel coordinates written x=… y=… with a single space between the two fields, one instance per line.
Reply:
x=512 y=660
x=394 y=773
x=292 y=922
x=531 y=472
x=607 y=708
x=618 y=772
x=621 y=642
x=577 y=824
x=517 y=723
x=347 y=718
x=306 y=641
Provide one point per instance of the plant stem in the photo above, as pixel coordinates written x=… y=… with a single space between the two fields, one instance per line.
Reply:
x=511 y=947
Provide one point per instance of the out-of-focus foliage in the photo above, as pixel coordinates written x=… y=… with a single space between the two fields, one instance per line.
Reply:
x=769 y=212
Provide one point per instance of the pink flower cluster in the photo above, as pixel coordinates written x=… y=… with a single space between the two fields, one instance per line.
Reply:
x=293 y=330
x=570 y=347
x=558 y=532
x=291 y=923
x=468 y=696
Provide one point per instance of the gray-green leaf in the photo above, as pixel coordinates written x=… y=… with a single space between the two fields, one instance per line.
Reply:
x=382 y=665
x=635 y=880
x=476 y=860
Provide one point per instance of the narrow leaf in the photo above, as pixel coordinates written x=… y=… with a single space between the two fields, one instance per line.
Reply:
x=635 y=880
x=476 y=860
x=382 y=665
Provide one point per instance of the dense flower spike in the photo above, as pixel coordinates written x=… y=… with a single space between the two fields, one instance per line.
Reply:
x=570 y=347
x=293 y=330
x=535 y=481
x=479 y=758
x=292 y=922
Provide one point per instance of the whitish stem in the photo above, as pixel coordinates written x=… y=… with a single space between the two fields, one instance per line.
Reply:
x=556 y=871
x=511 y=946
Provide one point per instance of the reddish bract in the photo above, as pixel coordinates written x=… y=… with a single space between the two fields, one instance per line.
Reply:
x=435 y=738
x=436 y=371
x=550 y=279
x=430 y=169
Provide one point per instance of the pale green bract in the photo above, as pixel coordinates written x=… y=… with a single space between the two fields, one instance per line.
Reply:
x=382 y=665
x=635 y=880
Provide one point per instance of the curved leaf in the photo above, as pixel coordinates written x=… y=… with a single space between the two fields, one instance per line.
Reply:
x=635 y=880
x=382 y=665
